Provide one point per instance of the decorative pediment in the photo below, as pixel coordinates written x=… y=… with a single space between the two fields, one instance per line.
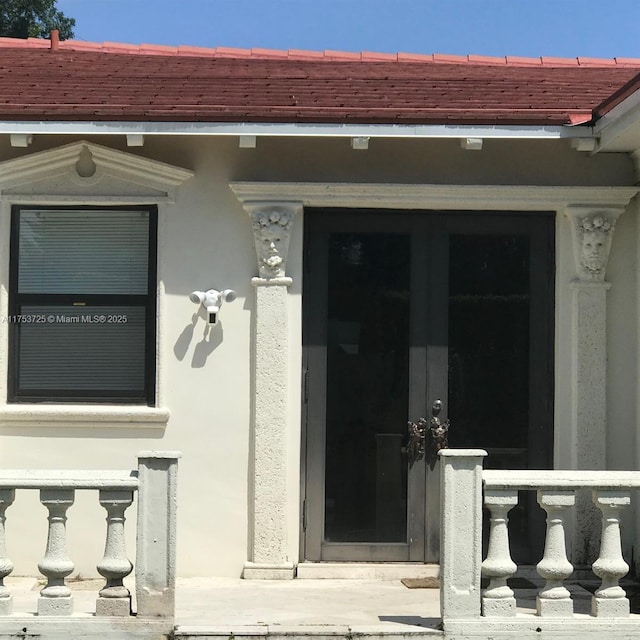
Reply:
x=90 y=172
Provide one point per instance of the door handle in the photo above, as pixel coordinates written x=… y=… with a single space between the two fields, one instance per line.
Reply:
x=426 y=438
x=415 y=446
x=438 y=434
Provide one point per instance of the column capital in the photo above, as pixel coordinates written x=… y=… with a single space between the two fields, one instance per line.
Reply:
x=272 y=222
x=272 y=282
x=592 y=229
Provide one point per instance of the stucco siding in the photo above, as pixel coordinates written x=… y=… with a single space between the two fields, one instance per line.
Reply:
x=205 y=240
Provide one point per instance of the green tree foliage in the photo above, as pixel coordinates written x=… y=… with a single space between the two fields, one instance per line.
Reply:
x=33 y=19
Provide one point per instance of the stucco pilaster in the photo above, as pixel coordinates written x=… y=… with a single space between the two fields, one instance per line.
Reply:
x=269 y=546
x=592 y=231
x=589 y=305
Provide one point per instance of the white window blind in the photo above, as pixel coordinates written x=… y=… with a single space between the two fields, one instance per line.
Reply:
x=83 y=348
x=83 y=251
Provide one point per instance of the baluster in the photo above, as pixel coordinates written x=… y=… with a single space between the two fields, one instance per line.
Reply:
x=115 y=598
x=610 y=601
x=554 y=599
x=498 y=599
x=55 y=598
x=6 y=566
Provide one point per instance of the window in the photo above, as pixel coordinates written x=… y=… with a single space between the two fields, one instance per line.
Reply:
x=82 y=305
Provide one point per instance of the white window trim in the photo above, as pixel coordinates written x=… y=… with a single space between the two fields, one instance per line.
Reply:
x=50 y=178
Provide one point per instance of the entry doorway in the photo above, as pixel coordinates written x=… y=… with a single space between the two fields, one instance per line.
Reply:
x=404 y=312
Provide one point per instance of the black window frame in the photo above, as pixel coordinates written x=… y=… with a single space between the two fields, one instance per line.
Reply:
x=18 y=300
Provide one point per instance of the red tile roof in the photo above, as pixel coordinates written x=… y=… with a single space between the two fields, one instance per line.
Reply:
x=121 y=82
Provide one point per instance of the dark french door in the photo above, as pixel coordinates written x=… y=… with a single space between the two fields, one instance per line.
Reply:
x=400 y=310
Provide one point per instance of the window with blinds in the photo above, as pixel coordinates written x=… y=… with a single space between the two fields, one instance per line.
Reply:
x=82 y=305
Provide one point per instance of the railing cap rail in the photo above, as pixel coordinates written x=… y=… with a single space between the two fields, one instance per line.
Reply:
x=67 y=479
x=170 y=455
x=559 y=479
x=462 y=453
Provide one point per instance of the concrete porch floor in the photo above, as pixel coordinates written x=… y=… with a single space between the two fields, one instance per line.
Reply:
x=216 y=608
x=379 y=606
x=242 y=608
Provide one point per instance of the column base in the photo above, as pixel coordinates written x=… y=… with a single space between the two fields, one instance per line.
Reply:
x=499 y=607
x=6 y=605
x=610 y=607
x=120 y=607
x=61 y=606
x=268 y=571
x=554 y=607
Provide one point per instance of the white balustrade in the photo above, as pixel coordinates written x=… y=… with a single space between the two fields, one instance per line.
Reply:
x=498 y=599
x=554 y=616
x=155 y=480
x=610 y=601
x=55 y=597
x=556 y=495
x=6 y=566
x=115 y=598
x=462 y=603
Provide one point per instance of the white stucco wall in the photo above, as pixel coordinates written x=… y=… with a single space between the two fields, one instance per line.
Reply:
x=205 y=240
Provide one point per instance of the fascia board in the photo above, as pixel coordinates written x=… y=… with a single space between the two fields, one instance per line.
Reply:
x=509 y=132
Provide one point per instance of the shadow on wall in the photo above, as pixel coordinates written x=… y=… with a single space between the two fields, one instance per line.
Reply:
x=211 y=338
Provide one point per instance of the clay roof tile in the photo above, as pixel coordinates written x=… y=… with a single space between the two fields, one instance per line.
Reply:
x=102 y=81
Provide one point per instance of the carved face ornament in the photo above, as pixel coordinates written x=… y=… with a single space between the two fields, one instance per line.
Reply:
x=596 y=240
x=272 y=229
x=593 y=245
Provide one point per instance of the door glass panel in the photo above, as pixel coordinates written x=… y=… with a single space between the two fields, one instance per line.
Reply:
x=489 y=311
x=489 y=345
x=367 y=387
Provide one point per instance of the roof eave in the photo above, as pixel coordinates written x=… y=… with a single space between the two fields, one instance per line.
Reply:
x=619 y=128
x=298 y=129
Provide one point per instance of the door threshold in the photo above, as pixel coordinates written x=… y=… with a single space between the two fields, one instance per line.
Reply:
x=366 y=570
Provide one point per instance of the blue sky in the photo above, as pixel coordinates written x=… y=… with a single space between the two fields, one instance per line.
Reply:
x=567 y=28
